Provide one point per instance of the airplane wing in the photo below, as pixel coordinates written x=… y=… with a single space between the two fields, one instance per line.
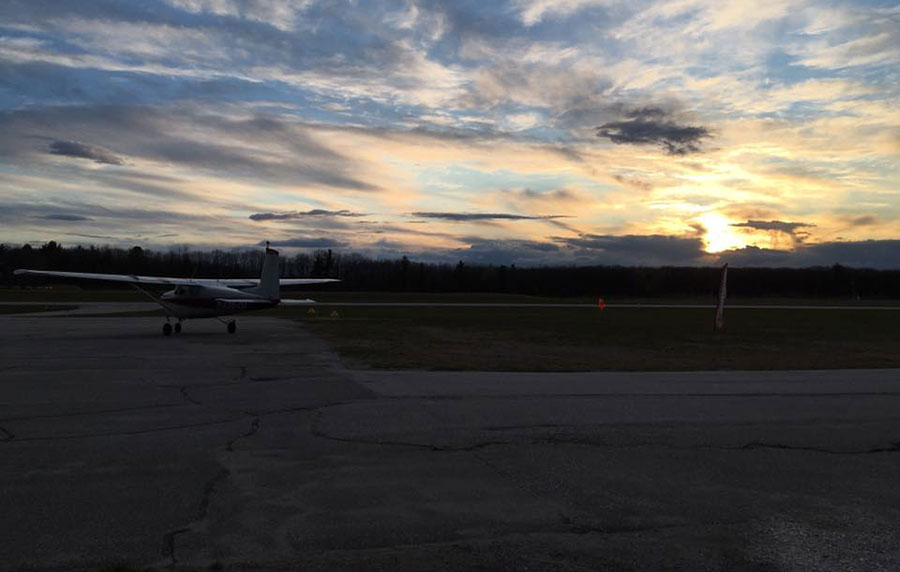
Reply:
x=163 y=280
x=294 y=302
x=241 y=282
x=126 y=278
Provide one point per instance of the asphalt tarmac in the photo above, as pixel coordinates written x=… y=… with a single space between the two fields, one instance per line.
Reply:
x=261 y=450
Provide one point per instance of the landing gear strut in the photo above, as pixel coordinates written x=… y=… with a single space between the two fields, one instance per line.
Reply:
x=232 y=327
x=178 y=328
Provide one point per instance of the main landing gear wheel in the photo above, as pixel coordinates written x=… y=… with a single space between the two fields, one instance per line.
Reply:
x=167 y=329
x=178 y=328
x=232 y=327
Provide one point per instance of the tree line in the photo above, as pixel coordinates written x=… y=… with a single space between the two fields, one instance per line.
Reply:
x=359 y=273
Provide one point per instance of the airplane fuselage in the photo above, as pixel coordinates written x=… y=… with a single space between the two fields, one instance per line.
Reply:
x=205 y=301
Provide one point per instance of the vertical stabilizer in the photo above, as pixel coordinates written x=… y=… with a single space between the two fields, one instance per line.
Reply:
x=269 y=278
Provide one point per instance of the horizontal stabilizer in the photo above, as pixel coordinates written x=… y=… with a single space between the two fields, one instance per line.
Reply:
x=304 y=302
x=241 y=304
x=299 y=281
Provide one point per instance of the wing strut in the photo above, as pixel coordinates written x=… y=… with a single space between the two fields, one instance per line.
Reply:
x=156 y=299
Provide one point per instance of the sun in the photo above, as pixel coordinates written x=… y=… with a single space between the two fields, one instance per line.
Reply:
x=720 y=235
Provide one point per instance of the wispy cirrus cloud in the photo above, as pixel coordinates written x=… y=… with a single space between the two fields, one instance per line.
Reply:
x=66 y=217
x=305 y=242
x=295 y=215
x=476 y=217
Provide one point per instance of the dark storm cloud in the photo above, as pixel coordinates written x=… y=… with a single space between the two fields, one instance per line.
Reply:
x=293 y=215
x=503 y=251
x=660 y=250
x=483 y=216
x=674 y=138
x=636 y=250
x=774 y=225
x=84 y=151
x=878 y=254
x=306 y=242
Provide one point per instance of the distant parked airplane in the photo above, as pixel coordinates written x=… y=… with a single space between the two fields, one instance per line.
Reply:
x=206 y=297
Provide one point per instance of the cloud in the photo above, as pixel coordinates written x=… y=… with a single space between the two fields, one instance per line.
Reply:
x=253 y=105
x=792 y=229
x=503 y=251
x=222 y=141
x=306 y=242
x=66 y=217
x=292 y=215
x=878 y=254
x=552 y=196
x=533 y=11
x=774 y=225
x=95 y=236
x=637 y=250
x=84 y=151
x=634 y=182
x=654 y=125
x=862 y=220
x=456 y=216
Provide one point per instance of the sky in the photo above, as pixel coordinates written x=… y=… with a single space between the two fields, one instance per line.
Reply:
x=529 y=132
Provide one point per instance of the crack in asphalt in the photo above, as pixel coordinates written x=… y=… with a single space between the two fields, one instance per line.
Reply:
x=466 y=396
x=187 y=396
x=133 y=432
x=209 y=488
x=892 y=448
x=8 y=436
x=316 y=431
x=94 y=412
x=254 y=428
x=239 y=381
x=169 y=544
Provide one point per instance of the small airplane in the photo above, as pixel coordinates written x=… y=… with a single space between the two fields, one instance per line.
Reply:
x=206 y=298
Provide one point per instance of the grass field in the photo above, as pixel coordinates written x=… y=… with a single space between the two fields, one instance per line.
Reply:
x=71 y=293
x=572 y=339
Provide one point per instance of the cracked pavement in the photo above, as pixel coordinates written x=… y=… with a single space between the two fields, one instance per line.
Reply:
x=261 y=450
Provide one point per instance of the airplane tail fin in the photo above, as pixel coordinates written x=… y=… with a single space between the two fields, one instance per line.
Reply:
x=269 y=278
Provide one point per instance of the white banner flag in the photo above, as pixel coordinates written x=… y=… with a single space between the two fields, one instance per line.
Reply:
x=720 y=307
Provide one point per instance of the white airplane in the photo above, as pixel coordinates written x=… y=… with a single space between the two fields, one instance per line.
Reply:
x=205 y=297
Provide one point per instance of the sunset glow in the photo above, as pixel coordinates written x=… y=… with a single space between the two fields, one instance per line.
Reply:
x=526 y=132
x=719 y=235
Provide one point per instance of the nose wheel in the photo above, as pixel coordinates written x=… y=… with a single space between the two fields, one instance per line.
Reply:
x=232 y=327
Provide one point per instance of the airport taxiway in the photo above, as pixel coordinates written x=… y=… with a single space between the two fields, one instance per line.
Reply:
x=121 y=445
